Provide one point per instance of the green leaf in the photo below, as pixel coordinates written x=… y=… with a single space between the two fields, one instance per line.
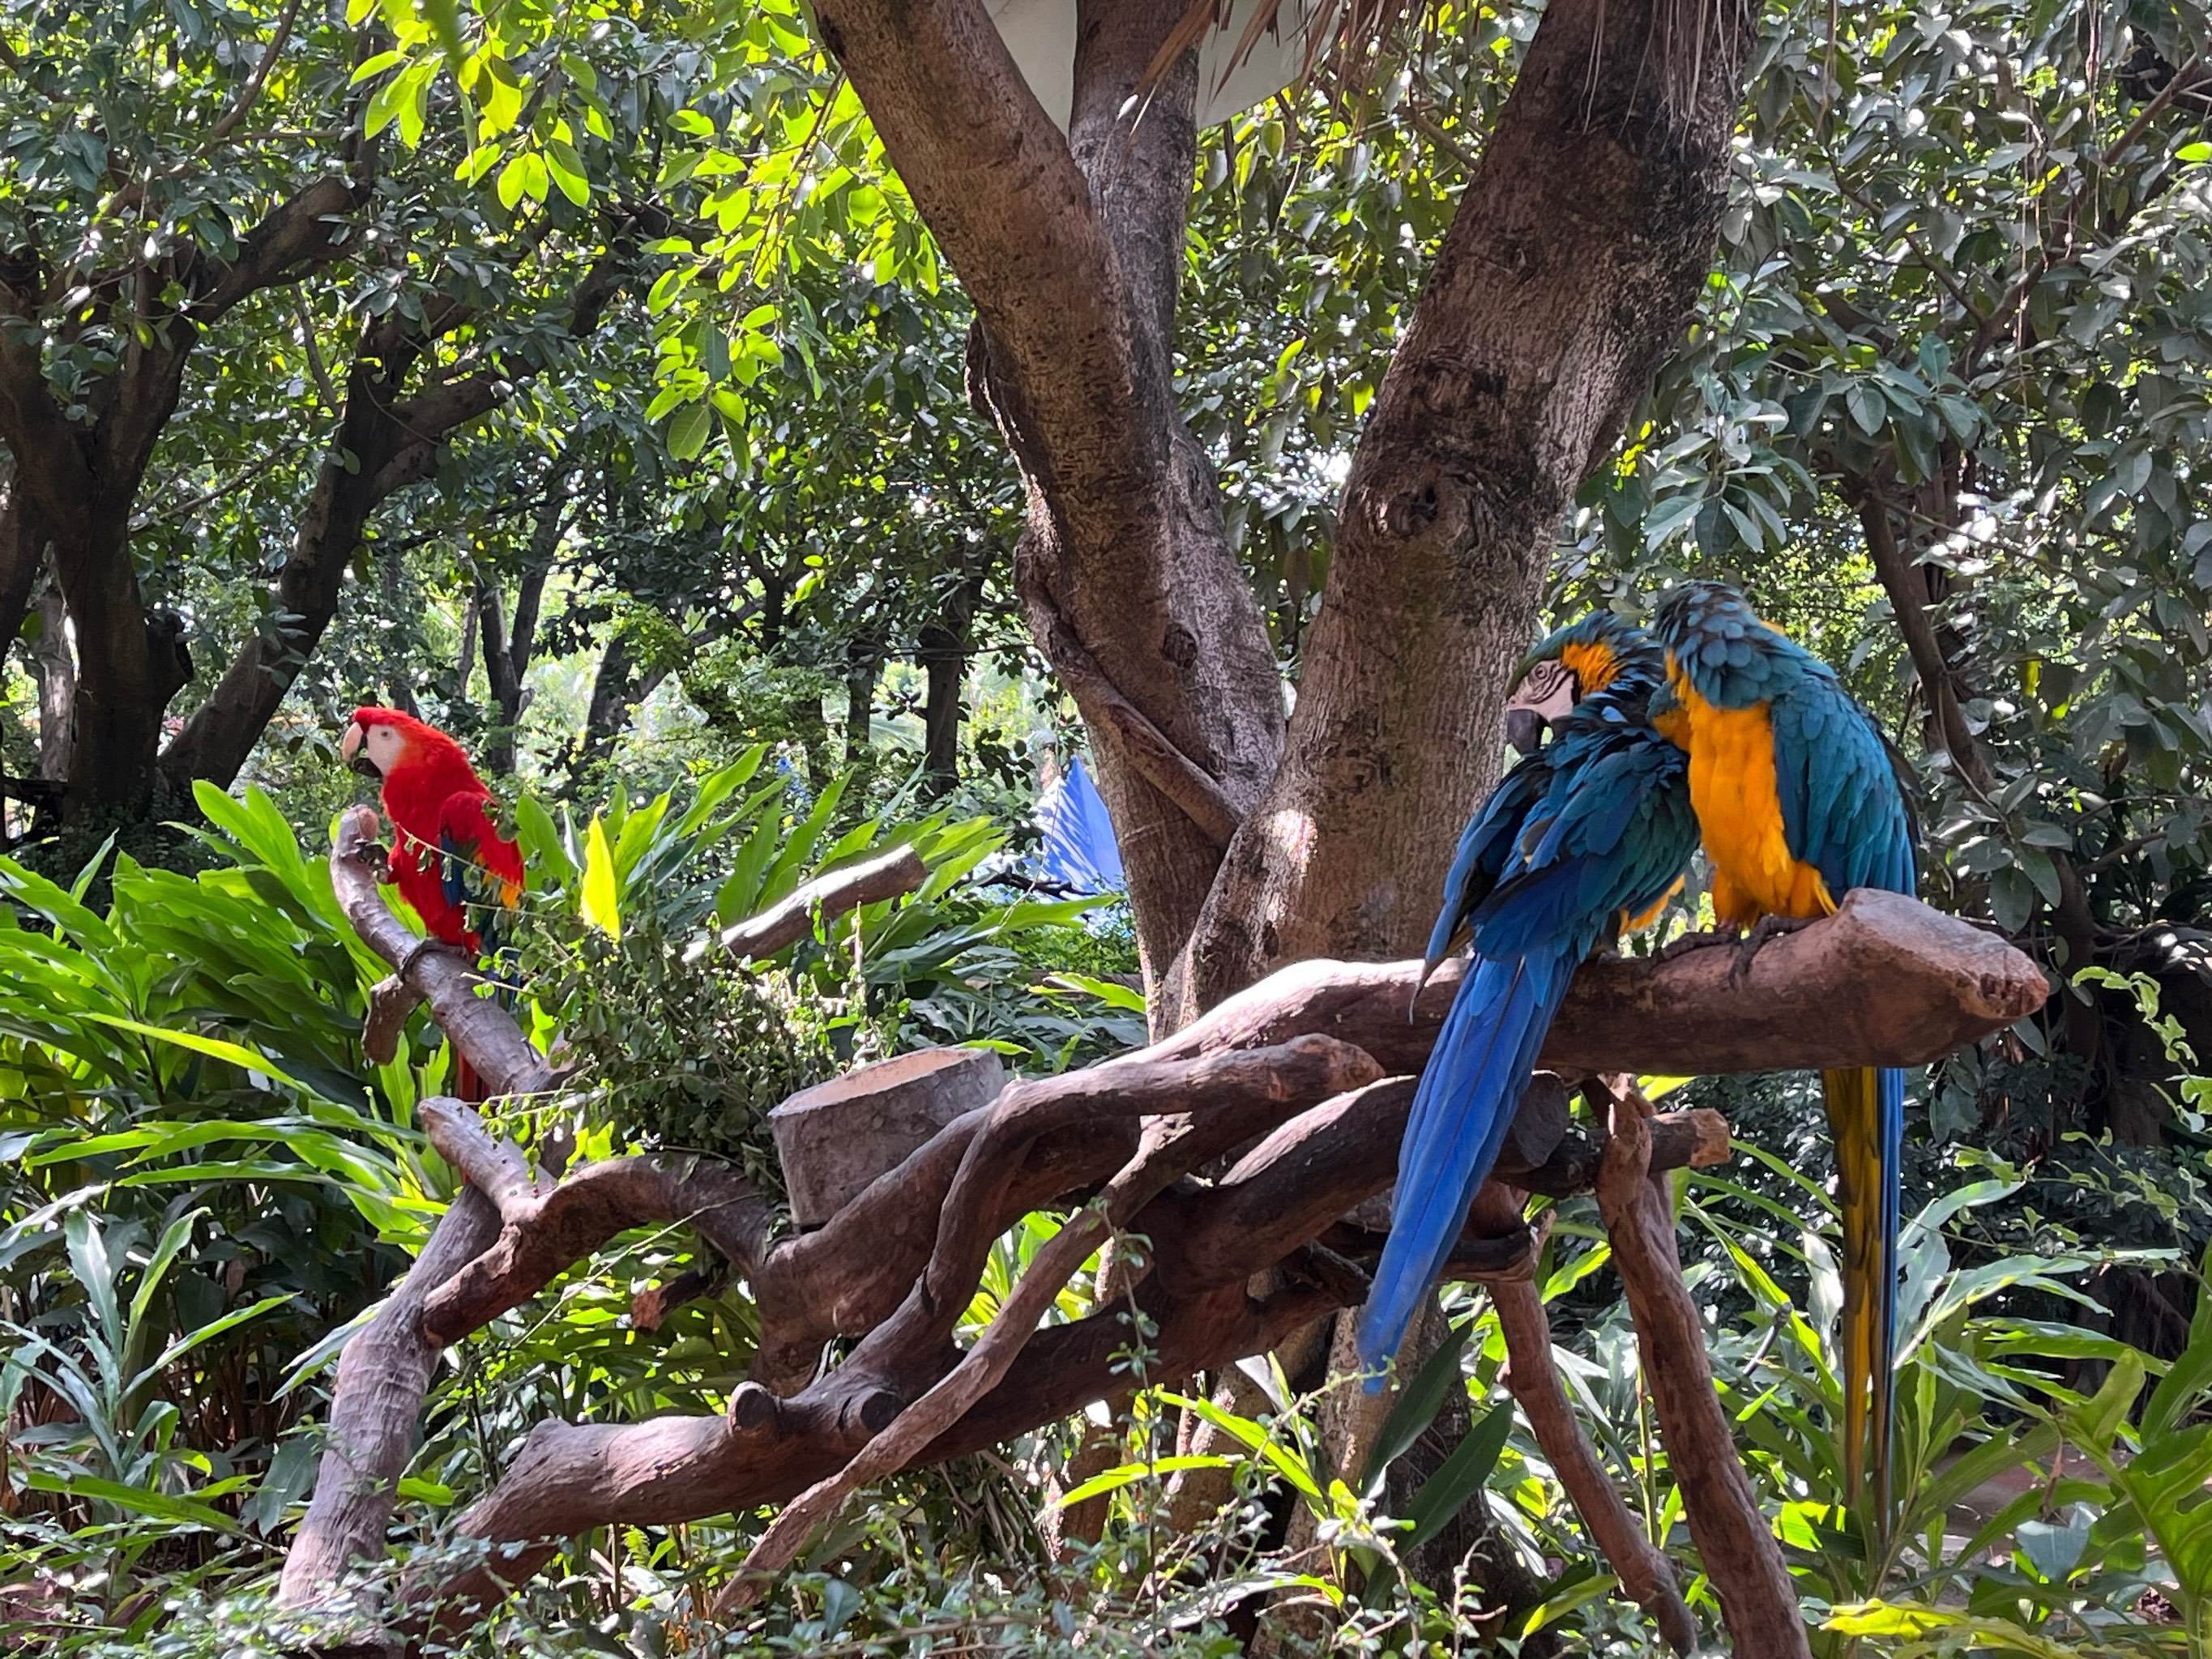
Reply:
x=1869 y=409
x=1285 y=1463
x=1460 y=1476
x=567 y=170
x=139 y=1500
x=687 y=433
x=1127 y=1475
x=2094 y=1424
x=1417 y=1407
x=213 y=1047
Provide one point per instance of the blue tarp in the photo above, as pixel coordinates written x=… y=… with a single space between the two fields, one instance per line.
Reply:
x=1079 y=853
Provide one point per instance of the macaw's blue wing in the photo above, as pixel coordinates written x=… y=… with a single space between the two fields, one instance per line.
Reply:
x=1486 y=849
x=1461 y=1109
x=1611 y=834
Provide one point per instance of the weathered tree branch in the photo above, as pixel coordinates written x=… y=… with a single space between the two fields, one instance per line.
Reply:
x=1886 y=980
x=1759 y=1599
x=1534 y=1380
x=376 y=1415
x=1287 y=1062
x=791 y=918
x=1165 y=767
x=1941 y=984
x=545 y=1230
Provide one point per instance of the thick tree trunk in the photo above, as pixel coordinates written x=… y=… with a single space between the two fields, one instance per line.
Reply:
x=1575 y=257
x=56 y=666
x=129 y=663
x=944 y=656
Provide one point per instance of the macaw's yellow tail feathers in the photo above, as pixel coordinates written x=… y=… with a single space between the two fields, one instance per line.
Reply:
x=1866 y=1120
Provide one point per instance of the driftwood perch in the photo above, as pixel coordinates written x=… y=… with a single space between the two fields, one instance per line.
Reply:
x=1300 y=1085
x=1533 y=1382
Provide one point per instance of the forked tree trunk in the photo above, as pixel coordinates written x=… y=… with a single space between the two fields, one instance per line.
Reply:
x=1575 y=255
x=1071 y=248
x=508 y=646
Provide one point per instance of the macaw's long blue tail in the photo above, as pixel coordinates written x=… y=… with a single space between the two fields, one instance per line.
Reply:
x=1866 y=1120
x=1466 y=1098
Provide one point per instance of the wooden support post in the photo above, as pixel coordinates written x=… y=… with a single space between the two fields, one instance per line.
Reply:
x=1759 y=1601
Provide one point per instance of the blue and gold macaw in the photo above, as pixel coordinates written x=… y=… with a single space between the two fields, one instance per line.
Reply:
x=1583 y=839
x=1798 y=803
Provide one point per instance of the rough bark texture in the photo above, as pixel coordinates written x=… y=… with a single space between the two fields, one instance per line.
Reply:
x=376 y=1415
x=54 y=664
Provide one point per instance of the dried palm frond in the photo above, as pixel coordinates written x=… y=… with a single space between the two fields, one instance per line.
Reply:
x=1352 y=28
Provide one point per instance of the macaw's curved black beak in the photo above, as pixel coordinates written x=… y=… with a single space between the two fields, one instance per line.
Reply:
x=353 y=750
x=1524 y=730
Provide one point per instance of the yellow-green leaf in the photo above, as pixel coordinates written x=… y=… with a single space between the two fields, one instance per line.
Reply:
x=602 y=909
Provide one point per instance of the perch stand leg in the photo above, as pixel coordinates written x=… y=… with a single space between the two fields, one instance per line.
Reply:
x=1535 y=1383
x=1758 y=1602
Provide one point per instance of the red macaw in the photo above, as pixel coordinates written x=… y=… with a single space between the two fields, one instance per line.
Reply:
x=451 y=862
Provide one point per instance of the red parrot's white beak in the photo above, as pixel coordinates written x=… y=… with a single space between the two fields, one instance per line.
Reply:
x=350 y=750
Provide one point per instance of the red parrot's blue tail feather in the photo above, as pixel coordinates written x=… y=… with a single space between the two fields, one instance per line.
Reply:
x=1467 y=1095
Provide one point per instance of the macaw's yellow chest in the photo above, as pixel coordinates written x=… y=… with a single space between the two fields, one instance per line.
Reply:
x=1733 y=789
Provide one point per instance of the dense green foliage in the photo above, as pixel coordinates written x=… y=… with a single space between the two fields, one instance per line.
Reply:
x=698 y=578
